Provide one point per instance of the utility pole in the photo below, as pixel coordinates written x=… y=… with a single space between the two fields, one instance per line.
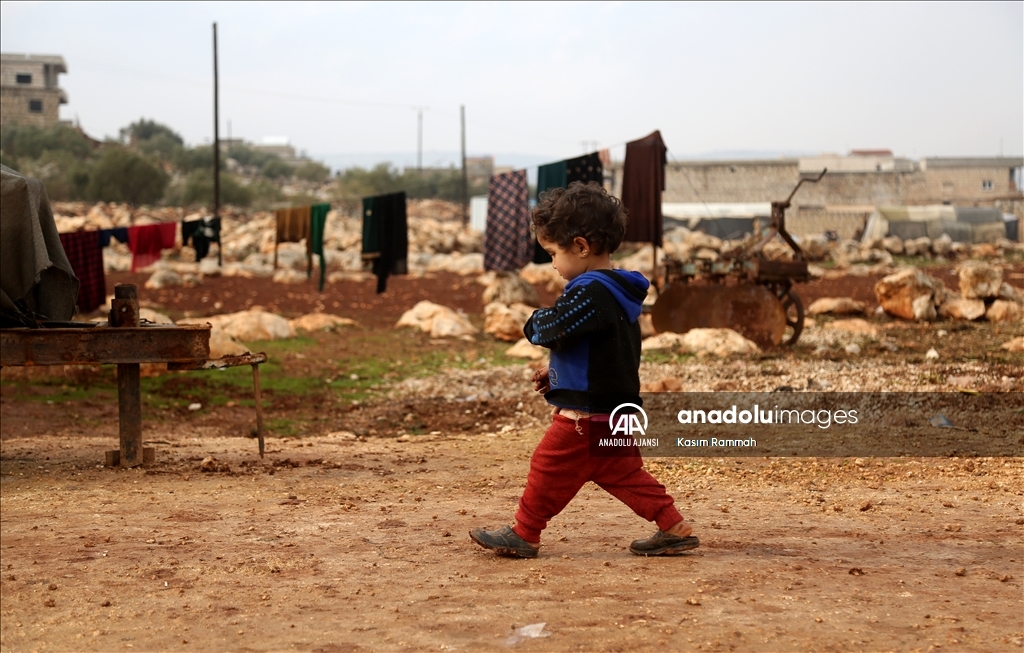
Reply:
x=216 y=131
x=465 y=176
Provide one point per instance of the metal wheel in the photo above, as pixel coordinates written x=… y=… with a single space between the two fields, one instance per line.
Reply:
x=794 y=317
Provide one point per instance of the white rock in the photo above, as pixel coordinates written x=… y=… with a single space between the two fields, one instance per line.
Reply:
x=699 y=239
x=646 y=325
x=543 y=274
x=320 y=322
x=932 y=355
x=642 y=260
x=853 y=325
x=153 y=316
x=835 y=305
x=1010 y=293
x=248 y=326
x=893 y=244
x=506 y=322
x=943 y=245
x=979 y=280
x=853 y=349
x=917 y=246
x=221 y=344
x=910 y=294
x=662 y=341
x=1003 y=311
x=959 y=308
x=510 y=288
x=524 y=349
x=288 y=275
x=815 y=247
x=1016 y=345
x=439 y=321
x=719 y=342
x=163 y=278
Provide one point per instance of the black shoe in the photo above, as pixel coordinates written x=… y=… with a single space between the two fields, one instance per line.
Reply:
x=503 y=541
x=663 y=544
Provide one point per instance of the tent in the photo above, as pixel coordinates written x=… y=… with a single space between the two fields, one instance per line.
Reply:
x=963 y=225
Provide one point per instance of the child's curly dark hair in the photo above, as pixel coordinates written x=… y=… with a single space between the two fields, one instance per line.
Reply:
x=581 y=210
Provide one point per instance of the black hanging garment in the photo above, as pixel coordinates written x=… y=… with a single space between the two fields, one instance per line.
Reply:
x=584 y=169
x=386 y=236
x=202 y=232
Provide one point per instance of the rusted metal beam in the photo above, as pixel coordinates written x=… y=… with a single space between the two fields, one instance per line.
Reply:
x=124 y=314
x=218 y=363
x=120 y=346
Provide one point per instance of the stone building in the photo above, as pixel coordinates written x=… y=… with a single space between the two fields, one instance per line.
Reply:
x=29 y=89
x=855 y=184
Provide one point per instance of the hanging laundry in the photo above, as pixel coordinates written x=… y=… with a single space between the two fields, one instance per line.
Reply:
x=551 y=175
x=36 y=279
x=584 y=169
x=507 y=241
x=386 y=236
x=147 y=241
x=86 y=257
x=643 y=180
x=292 y=227
x=118 y=233
x=202 y=232
x=317 y=224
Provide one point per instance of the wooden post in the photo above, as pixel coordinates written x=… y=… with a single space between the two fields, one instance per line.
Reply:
x=259 y=404
x=124 y=312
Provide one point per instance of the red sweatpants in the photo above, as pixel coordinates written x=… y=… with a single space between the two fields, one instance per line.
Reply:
x=563 y=463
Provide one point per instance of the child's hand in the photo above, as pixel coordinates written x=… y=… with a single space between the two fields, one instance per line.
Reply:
x=541 y=381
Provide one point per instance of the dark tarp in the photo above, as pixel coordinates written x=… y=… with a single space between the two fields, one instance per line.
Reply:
x=726 y=228
x=643 y=180
x=36 y=279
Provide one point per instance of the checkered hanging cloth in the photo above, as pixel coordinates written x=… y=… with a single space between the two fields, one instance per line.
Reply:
x=507 y=243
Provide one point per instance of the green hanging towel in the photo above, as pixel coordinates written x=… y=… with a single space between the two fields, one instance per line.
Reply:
x=317 y=222
x=552 y=175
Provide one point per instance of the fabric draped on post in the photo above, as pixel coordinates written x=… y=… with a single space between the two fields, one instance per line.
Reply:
x=293 y=227
x=551 y=175
x=507 y=242
x=386 y=236
x=147 y=241
x=86 y=257
x=202 y=233
x=36 y=278
x=643 y=180
x=317 y=224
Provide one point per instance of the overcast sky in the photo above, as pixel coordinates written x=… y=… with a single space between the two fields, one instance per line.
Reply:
x=538 y=80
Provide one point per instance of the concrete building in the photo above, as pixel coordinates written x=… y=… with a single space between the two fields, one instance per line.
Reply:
x=29 y=89
x=853 y=187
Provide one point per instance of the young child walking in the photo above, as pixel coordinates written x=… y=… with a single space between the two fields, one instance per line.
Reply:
x=594 y=338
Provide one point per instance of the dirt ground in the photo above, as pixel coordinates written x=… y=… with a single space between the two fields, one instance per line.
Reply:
x=351 y=534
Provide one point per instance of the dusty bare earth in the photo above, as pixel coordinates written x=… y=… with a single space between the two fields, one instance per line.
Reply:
x=351 y=534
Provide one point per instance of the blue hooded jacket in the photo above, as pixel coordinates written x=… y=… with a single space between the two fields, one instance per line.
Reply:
x=594 y=337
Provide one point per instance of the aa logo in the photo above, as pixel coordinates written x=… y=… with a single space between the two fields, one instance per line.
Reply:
x=628 y=423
